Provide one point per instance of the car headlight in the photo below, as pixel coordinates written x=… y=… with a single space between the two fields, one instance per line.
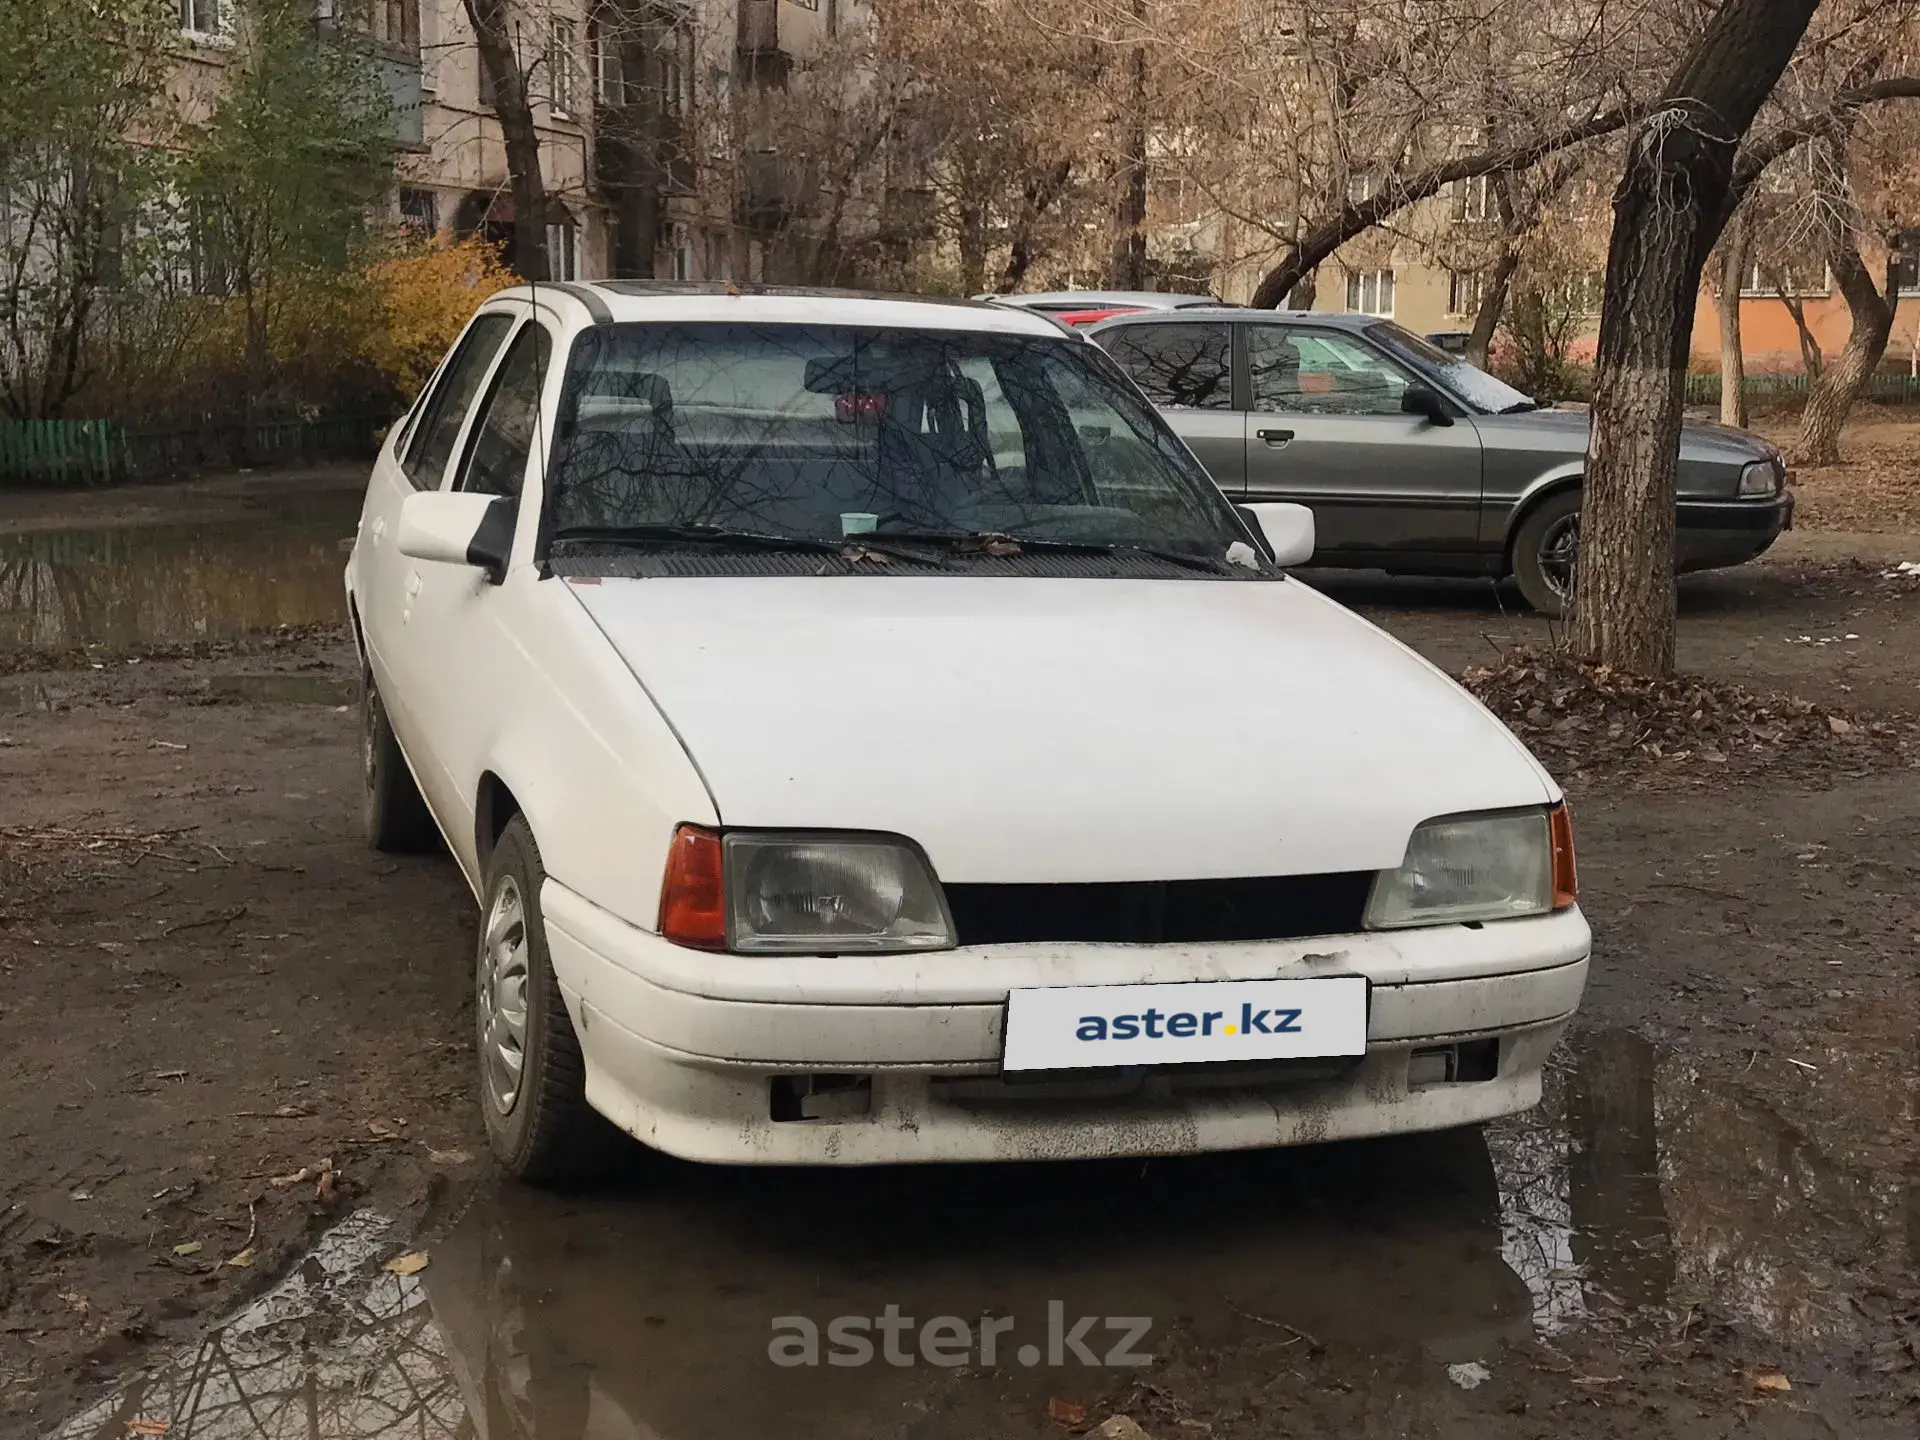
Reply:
x=786 y=893
x=1463 y=868
x=1761 y=479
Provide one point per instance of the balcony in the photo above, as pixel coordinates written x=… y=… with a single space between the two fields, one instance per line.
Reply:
x=773 y=191
x=759 y=58
x=401 y=77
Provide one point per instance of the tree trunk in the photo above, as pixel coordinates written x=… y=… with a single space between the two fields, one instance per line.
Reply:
x=1726 y=300
x=1833 y=395
x=1811 y=358
x=1493 y=304
x=1667 y=214
x=494 y=33
x=1129 y=268
x=1035 y=200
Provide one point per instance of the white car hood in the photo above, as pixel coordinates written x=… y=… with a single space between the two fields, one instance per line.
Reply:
x=1062 y=730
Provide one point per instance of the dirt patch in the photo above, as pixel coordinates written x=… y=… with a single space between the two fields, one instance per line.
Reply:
x=206 y=983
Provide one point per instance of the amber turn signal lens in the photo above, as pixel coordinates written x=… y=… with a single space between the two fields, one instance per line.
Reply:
x=1566 y=888
x=693 y=901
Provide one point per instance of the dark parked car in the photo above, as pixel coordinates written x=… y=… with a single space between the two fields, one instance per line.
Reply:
x=1411 y=459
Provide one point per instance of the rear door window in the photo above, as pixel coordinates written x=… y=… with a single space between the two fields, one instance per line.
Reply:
x=1180 y=367
x=430 y=446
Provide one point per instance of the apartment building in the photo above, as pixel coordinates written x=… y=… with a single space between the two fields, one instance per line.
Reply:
x=642 y=110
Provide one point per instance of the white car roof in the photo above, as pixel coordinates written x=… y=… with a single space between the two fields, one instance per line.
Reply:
x=616 y=301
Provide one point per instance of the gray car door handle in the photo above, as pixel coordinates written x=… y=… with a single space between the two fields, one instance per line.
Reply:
x=1276 y=438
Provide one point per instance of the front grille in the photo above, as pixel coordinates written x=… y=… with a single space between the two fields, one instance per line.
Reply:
x=1286 y=907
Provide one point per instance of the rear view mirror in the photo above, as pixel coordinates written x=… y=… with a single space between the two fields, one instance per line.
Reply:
x=1287 y=529
x=457 y=527
x=1419 y=400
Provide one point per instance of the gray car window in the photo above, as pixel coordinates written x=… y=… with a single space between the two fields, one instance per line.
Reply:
x=1320 y=372
x=1180 y=367
x=431 y=444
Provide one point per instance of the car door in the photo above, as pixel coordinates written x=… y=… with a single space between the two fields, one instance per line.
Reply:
x=454 y=643
x=1325 y=429
x=416 y=459
x=1186 y=369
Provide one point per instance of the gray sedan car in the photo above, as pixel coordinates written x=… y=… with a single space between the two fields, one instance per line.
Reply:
x=1412 y=460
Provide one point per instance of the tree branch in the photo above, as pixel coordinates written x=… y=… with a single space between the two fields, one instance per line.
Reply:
x=1359 y=216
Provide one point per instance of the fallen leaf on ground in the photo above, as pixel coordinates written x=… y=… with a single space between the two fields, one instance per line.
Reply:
x=280 y=1182
x=147 y=1427
x=75 y=1301
x=411 y=1263
x=448 y=1157
x=1065 y=1412
x=1470 y=1376
x=243 y=1259
x=1596 y=1379
x=1769 y=1380
x=1121 y=1427
x=189 y=1247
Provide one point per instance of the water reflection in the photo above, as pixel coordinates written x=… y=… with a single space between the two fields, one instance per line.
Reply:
x=170 y=583
x=1646 y=1185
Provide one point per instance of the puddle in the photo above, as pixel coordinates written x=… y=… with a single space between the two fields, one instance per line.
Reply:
x=157 y=584
x=1642 y=1188
x=283 y=689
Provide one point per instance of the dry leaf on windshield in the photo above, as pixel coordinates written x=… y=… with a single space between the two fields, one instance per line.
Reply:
x=411 y=1263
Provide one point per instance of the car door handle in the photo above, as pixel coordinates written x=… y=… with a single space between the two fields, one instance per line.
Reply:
x=1276 y=438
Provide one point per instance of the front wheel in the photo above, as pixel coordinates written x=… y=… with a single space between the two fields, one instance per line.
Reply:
x=1546 y=550
x=532 y=1079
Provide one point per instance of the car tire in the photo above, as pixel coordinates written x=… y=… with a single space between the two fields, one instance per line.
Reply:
x=1545 y=547
x=532 y=1078
x=396 y=818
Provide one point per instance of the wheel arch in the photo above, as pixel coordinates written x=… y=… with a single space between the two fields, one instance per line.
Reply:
x=1535 y=496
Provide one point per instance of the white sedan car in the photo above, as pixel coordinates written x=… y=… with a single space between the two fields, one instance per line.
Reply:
x=870 y=737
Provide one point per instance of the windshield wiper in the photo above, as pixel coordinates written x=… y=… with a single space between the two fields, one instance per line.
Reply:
x=999 y=544
x=1522 y=407
x=675 y=533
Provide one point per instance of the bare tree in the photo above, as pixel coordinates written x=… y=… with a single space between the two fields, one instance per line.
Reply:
x=507 y=54
x=1870 y=308
x=1672 y=203
x=1729 y=281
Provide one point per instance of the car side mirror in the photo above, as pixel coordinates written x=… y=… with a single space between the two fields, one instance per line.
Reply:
x=1419 y=400
x=458 y=527
x=1287 y=529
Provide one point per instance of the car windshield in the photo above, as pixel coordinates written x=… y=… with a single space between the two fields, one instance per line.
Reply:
x=1469 y=382
x=814 y=434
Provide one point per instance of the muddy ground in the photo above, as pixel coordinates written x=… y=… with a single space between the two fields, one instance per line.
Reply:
x=208 y=986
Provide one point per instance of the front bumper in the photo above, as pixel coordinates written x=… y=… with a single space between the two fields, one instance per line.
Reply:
x=1713 y=533
x=683 y=1048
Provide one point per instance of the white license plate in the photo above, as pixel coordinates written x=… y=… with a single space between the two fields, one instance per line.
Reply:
x=1080 y=1027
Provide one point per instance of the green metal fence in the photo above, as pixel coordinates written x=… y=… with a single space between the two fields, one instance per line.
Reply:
x=100 y=452
x=1888 y=387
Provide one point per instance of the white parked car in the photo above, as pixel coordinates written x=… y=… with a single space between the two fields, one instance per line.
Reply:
x=871 y=737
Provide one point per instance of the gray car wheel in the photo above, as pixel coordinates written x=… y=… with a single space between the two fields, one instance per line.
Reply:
x=532 y=1079
x=1546 y=549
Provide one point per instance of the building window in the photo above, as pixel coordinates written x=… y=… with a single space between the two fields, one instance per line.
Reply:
x=560 y=66
x=676 y=72
x=563 y=252
x=1370 y=292
x=1807 y=280
x=420 y=210
x=1359 y=188
x=682 y=254
x=609 y=71
x=1588 y=289
x=1473 y=199
x=1466 y=289
x=1905 y=261
x=205 y=17
x=396 y=23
